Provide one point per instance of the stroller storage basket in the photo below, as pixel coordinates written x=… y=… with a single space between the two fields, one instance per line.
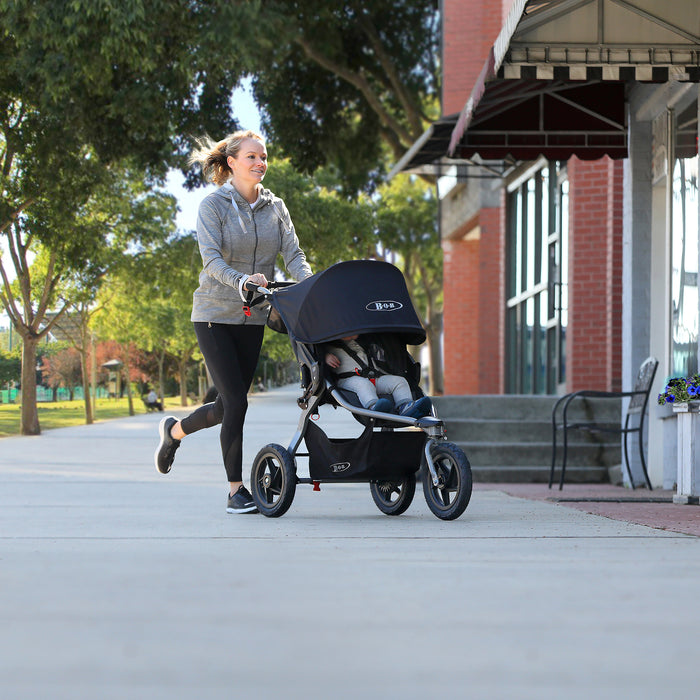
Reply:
x=385 y=455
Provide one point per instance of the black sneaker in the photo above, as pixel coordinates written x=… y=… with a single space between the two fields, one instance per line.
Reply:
x=241 y=502
x=165 y=452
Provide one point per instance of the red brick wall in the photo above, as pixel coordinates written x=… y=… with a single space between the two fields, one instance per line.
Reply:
x=595 y=270
x=614 y=275
x=469 y=28
x=491 y=294
x=461 y=314
x=473 y=269
x=474 y=312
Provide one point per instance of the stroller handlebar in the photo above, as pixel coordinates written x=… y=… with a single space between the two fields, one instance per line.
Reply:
x=265 y=291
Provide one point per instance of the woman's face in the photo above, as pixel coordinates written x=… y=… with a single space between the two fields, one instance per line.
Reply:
x=250 y=165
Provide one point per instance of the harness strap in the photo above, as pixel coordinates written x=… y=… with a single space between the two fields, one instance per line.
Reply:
x=364 y=370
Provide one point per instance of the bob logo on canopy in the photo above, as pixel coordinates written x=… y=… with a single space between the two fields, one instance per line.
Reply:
x=340 y=467
x=384 y=306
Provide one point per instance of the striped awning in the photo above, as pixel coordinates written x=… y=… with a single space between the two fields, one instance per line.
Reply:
x=599 y=45
x=554 y=82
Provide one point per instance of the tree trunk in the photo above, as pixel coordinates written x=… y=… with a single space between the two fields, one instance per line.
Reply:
x=182 y=373
x=161 y=378
x=93 y=371
x=127 y=378
x=84 y=373
x=434 y=335
x=29 y=416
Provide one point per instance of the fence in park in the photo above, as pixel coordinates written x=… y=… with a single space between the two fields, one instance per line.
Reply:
x=44 y=395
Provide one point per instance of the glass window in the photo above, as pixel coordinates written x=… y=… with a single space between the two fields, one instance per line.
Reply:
x=536 y=282
x=684 y=246
x=684 y=275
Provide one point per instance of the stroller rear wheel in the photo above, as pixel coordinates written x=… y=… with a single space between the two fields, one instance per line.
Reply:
x=393 y=497
x=450 y=498
x=273 y=480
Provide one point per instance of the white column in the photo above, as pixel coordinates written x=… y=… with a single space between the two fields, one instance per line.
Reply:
x=636 y=262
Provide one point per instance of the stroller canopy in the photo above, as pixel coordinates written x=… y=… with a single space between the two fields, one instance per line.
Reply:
x=358 y=296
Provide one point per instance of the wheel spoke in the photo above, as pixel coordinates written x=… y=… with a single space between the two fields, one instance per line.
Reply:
x=445 y=497
x=275 y=479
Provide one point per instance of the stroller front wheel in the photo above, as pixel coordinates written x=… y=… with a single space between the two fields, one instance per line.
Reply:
x=450 y=497
x=273 y=480
x=393 y=497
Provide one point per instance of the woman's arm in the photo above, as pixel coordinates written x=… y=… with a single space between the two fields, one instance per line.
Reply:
x=210 y=240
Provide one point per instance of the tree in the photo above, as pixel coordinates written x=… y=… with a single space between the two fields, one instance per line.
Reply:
x=407 y=227
x=170 y=275
x=336 y=81
x=330 y=227
x=122 y=213
x=85 y=84
x=10 y=368
x=61 y=368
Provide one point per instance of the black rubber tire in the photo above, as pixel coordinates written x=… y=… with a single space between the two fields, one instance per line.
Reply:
x=451 y=497
x=393 y=497
x=273 y=480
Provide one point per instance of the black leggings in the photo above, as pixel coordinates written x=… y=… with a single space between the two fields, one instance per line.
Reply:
x=231 y=353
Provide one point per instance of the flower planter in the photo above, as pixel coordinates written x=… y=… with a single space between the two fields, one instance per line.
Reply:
x=688 y=465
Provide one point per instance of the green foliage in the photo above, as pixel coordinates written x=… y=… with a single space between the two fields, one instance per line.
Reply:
x=341 y=82
x=406 y=218
x=120 y=75
x=330 y=227
x=10 y=367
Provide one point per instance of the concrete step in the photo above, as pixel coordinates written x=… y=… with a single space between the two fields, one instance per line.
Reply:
x=508 y=430
x=518 y=407
x=508 y=438
x=579 y=454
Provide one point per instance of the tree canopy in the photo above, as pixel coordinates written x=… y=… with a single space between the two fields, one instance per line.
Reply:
x=341 y=83
x=86 y=85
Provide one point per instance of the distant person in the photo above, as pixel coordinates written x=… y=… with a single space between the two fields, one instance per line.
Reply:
x=152 y=401
x=241 y=229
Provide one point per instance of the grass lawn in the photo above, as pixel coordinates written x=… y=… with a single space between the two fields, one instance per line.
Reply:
x=62 y=414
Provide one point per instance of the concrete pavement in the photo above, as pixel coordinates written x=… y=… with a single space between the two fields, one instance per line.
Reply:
x=118 y=582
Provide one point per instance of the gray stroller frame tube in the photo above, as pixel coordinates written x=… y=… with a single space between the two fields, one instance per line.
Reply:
x=303 y=421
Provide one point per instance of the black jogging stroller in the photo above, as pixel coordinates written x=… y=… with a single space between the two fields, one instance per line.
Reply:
x=370 y=298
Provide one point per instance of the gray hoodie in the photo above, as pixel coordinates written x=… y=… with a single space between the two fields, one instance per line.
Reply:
x=229 y=253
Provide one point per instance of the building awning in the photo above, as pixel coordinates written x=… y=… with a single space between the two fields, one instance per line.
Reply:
x=524 y=119
x=554 y=82
x=427 y=156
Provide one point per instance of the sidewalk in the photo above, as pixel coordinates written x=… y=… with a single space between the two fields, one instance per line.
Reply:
x=118 y=582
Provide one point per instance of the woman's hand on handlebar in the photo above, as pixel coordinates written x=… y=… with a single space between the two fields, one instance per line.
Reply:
x=256 y=280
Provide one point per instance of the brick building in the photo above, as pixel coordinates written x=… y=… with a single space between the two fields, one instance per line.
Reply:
x=566 y=164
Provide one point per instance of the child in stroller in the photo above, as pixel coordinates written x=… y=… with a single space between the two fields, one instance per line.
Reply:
x=359 y=366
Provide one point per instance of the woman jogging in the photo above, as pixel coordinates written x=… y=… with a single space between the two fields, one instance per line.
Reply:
x=241 y=229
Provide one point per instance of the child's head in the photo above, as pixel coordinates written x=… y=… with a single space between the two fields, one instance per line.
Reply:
x=350 y=337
